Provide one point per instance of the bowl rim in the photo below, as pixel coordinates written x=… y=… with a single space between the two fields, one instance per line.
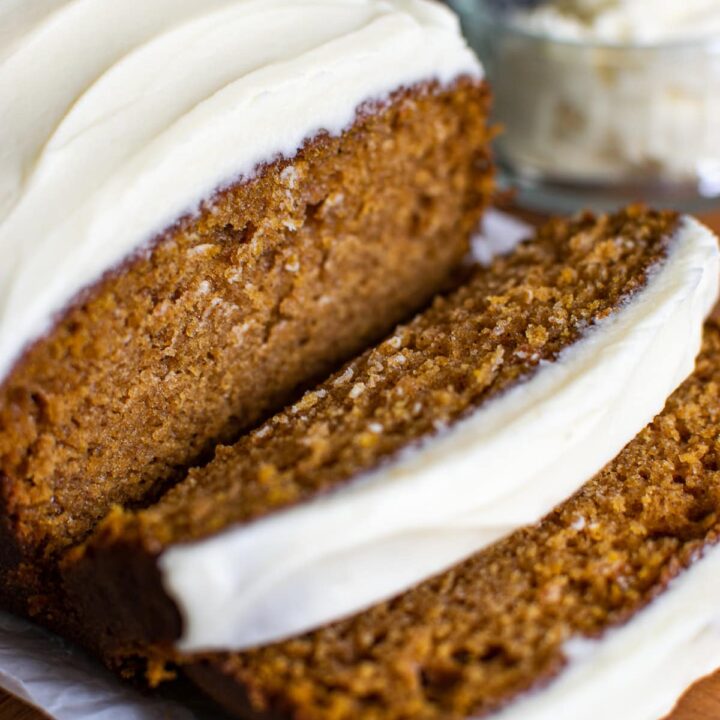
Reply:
x=493 y=19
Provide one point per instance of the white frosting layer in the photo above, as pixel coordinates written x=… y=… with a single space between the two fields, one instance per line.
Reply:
x=119 y=117
x=623 y=21
x=504 y=467
x=639 y=671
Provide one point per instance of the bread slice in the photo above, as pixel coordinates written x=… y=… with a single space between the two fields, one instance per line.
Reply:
x=472 y=420
x=272 y=284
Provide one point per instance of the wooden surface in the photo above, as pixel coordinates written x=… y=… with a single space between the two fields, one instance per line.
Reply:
x=13 y=710
x=701 y=703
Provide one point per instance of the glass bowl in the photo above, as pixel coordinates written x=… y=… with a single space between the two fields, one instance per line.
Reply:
x=595 y=124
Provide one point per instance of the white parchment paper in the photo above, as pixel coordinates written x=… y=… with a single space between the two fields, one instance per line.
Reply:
x=66 y=684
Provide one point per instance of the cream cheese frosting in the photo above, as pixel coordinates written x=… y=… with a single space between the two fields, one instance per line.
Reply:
x=503 y=467
x=120 y=117
x=639 y=670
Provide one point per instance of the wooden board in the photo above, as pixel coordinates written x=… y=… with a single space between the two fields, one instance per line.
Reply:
x=701 y=703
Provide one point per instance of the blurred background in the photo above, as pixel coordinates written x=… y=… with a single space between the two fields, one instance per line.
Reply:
x=602 y=102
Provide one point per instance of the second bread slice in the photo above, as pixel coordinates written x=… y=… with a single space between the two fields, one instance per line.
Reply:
x=476 y=418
